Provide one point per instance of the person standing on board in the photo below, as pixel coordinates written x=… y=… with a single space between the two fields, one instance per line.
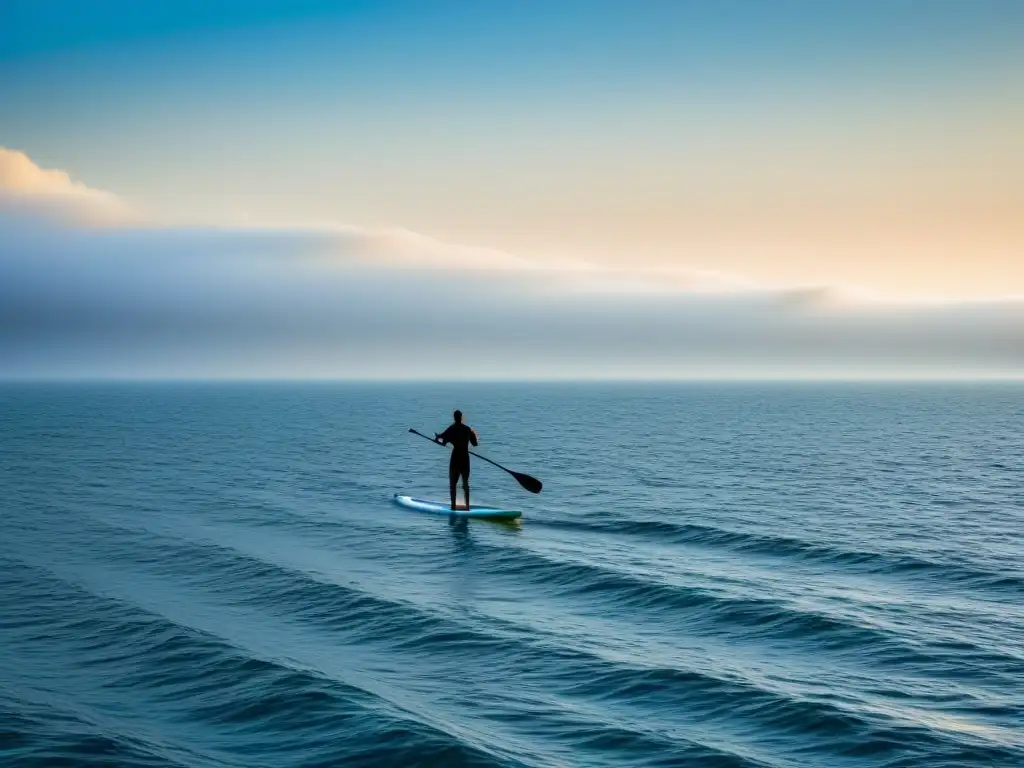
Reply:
x=460 y=436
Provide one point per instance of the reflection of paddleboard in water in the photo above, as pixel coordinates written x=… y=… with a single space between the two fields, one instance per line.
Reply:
x=439 y=508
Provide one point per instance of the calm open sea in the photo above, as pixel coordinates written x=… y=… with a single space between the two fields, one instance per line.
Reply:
x=722 y=575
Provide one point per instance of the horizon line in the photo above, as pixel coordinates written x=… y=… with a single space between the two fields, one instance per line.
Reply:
x=881 y=379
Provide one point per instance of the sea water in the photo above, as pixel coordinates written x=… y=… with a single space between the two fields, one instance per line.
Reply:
x=714 y=574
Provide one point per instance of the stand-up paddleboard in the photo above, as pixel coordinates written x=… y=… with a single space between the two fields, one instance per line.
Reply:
x=445 y=508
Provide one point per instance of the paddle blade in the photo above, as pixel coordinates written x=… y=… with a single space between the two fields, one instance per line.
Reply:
x=532 y=484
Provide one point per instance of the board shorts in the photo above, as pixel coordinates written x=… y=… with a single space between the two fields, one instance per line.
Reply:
x=458 y=467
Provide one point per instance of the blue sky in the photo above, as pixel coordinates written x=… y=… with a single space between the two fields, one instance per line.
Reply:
x=45 y=27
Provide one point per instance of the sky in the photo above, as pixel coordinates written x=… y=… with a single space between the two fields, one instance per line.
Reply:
x=569 y=189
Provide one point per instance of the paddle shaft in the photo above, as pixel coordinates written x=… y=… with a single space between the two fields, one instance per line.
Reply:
x=475 y=454
x=519 y=476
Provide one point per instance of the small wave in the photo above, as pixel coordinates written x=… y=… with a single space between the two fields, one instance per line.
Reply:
x=263 y=703
x=747 y=543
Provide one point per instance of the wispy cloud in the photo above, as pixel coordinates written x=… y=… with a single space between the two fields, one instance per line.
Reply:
x=138 y=298
x=26 y=190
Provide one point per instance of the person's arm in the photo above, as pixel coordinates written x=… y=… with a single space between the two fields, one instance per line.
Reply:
x=473 y=437
x=444 y=438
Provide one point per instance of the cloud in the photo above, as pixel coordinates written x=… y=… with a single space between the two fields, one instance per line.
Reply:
x=19 y=174
x=30 y=191
x=143 y=299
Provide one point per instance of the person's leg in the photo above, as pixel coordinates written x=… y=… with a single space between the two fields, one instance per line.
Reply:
x=453 y=482
x=465 y=484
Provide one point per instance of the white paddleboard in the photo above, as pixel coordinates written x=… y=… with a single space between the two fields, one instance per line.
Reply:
x=445 y=508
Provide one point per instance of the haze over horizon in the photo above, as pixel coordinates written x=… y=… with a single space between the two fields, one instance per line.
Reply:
x=436 y=190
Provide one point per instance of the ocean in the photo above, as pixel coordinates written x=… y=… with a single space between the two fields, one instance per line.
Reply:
x=735 y=574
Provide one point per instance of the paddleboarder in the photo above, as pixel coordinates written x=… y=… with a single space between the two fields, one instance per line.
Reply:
x=460 y=436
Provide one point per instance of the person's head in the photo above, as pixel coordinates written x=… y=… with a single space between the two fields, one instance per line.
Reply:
x=458 y=417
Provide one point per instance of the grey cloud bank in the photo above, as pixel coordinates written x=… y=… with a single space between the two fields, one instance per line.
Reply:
x=79 y=299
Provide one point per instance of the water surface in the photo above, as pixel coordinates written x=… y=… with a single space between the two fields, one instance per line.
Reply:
x=721 y=575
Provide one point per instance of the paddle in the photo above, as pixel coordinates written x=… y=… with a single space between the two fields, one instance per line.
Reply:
x=532 y=484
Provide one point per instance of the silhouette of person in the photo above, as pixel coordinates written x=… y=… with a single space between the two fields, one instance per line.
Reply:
x=460 y=436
